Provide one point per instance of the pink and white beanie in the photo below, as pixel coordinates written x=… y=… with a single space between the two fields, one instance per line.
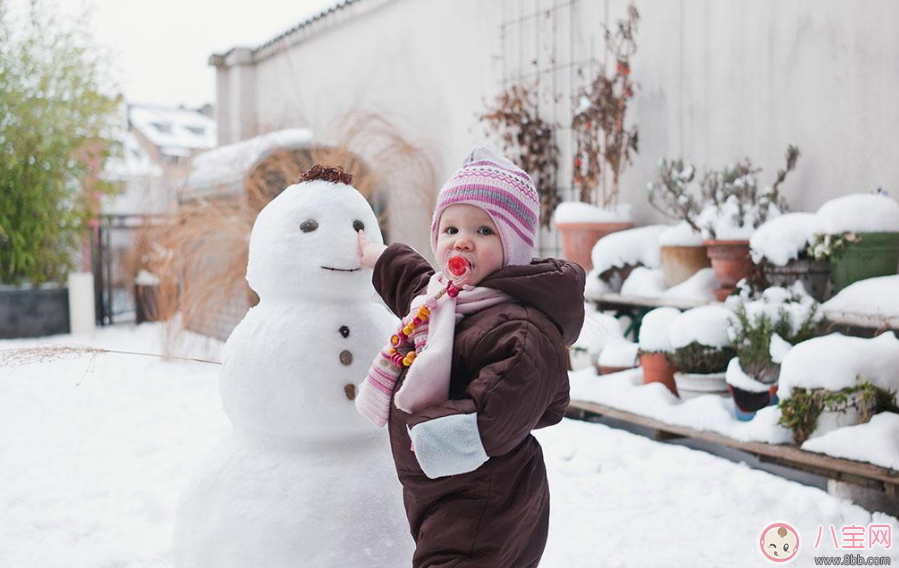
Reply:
x=502 y=189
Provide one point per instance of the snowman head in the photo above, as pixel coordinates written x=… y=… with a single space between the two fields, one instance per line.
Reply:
x=304 y=243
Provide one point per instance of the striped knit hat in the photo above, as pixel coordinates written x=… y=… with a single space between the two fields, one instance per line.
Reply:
x=502 y=189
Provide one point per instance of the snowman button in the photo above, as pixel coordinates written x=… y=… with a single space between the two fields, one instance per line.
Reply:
x=344 y=331
x=346 y=358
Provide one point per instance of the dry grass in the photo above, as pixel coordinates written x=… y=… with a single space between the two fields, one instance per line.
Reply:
x=201 y=255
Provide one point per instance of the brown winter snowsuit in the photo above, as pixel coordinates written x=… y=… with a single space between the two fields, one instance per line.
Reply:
x=509 y=369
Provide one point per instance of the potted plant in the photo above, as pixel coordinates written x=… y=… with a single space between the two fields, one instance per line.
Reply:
x=859 y=234
x=763 y=331
x=655 y=347
x=618 y=354
x=604 y=145
x=528 y=140
x=780 y=251
x=616 y=255
x=682 y=251
x=726 y=208
x=836 y=380
x=702 y=350
x=55 y=112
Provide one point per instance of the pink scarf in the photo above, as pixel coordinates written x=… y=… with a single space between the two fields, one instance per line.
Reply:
x=427 y=382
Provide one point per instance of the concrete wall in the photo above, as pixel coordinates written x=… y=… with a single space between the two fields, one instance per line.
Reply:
x=719 y=80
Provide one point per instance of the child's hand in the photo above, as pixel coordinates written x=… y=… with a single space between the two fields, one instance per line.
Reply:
x=369 y=253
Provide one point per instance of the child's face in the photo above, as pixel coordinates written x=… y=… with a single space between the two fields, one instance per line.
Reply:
x=470 y=230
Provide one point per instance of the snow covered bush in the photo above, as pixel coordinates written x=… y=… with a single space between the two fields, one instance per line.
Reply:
x=726 y=204
x=616 y=255
x=783 y=238
x=700 y=340
x=837 y=374
x=655 y=330
x=762 y=326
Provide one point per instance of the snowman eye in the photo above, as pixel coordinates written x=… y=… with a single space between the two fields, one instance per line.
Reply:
x=358 y=226
x=309 y=225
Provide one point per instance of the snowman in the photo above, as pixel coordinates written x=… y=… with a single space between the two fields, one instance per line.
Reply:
x=302 y=479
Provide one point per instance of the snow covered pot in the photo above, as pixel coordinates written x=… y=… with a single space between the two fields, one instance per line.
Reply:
x=702 y=350
x=682 y=254
x=599 y=330
x=581 y=225
x=763 y=332
x=655 y=347
x=302 y=477
x=860 y=235
x=726 y=206
x=835 y=381
x=780 y=249
x=615 y=256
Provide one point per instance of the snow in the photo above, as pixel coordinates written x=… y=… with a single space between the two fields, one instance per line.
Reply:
x=706 y=325
x=778 y=348
x=145 y=278
x=650 y=283
x=632 y=247
x=598 y=329
x=858 y=213
x=783 y=238
x=835 y=361
x=680 y=235
x=726 y=221
x=655 y=330
x=619 y=353
x=226 y=166
x=644 y=282
x=579 y=212
x=701 y=287
x=736 y=377
x=90 y=475
x=862 y=442
x=873 y=296
x=776 y=303
x=175 y=131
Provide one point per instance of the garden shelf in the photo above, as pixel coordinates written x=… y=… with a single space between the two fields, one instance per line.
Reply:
x=847 y=471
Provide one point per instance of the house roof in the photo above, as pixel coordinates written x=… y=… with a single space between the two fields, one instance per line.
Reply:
x=176 y=131
x=292 y=35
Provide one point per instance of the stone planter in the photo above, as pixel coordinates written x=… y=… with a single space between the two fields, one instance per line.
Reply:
x=33 y=312
x=658 y=369
x=814 y=275
x=747 y=403
x=679 y=263
x=692 y=385
x=731 y=263
x=847 y=414
x=578 y=239
x=877 y=254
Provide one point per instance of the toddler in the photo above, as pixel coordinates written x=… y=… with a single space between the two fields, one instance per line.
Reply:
x=477 y=365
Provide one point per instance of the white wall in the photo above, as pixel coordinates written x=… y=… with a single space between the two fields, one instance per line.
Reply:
x=719 y=80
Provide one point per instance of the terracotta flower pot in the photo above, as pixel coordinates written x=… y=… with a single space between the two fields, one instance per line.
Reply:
x=658 y=369
x=731 y=262
x=578 y=239
x=679 y=263
x=609 y=370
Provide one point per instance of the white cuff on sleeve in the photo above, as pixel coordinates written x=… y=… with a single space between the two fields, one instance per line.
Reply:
x=449 y=445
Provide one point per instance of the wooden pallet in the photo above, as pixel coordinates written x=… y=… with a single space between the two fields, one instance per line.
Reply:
x=848 y=471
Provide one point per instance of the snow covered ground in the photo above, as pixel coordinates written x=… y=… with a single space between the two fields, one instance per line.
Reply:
x=94 y=453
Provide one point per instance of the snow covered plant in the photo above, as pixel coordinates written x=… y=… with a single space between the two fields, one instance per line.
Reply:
x=528 y=140
x=801 y=411
x=766 y=327
x=823 y=247
x=726 y=204
x=700 y=340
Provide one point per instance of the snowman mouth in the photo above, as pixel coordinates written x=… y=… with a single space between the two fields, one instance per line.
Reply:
x=341 y=269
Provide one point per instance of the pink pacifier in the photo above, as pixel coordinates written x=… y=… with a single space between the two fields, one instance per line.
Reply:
x=457 y=269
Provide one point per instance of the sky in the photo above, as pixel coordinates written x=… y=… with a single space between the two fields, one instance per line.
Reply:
x=162 y=48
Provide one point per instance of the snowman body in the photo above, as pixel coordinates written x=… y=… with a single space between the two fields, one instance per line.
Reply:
x=302 y=479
